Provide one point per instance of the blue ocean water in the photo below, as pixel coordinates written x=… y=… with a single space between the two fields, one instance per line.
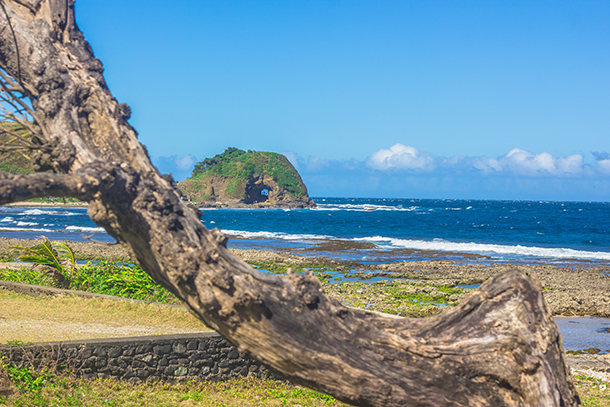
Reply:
x=501 y=229
x=498 y=229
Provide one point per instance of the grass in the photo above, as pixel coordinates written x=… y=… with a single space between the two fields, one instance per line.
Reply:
x=282 y=268
x=104 y=277
x=40 y=319
x=42 y=389
x=592 y=391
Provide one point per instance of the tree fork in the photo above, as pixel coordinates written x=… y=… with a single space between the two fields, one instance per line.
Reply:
x=500 y=347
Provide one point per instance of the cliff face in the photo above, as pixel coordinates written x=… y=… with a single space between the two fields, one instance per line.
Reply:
x=253 y=178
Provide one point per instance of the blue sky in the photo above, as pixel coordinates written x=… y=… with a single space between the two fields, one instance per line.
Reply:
x=412 y=99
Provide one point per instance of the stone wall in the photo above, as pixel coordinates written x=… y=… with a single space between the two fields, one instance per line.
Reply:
x=170 y=358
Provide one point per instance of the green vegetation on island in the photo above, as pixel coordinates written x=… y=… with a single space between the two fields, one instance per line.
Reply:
x=247 y=177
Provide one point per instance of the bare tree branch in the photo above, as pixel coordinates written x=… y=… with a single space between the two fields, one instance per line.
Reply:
x=82 y=185
x=498 y=348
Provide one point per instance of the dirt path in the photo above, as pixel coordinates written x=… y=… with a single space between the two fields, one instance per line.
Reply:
x=42 y=319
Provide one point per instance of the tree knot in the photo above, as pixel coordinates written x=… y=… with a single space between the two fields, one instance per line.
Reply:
x=308 y=287
x=223 y=280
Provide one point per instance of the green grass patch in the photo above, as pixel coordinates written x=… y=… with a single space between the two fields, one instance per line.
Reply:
x=592 y=391
x=282 y=268
x=105 y=277
x=40 y=388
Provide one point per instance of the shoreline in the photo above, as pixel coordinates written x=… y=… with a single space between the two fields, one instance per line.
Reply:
x=193 y=205
x=571 y=289
x=50 y=204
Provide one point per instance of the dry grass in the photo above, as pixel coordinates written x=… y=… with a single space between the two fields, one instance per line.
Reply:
x=43 y=319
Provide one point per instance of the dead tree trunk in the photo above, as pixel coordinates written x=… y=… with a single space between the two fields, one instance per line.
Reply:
x=498 y=348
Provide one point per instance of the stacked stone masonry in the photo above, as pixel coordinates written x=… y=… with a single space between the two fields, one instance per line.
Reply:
x=169 y=358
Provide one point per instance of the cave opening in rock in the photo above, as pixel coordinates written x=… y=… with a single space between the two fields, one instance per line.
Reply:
x=257 y=193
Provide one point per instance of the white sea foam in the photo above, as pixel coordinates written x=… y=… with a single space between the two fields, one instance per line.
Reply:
x=36 y=212
x=489 y=249
x=439 y=245
x=7 y=219
x=26 y=230
x=363 y=208
x=276 y=235
x=40 y=212
x=84 y=229
x=26 y=223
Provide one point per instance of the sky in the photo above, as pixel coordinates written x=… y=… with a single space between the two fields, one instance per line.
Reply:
x=396 y=99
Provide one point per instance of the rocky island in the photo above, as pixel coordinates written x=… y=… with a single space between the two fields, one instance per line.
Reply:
x=238 y=178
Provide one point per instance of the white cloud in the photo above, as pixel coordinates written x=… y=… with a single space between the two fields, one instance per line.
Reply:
x=400 y=157
x=523 y=162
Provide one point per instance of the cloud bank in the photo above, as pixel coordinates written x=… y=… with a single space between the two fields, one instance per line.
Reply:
x=405 y=171
x=402 y=171
x=406 y=159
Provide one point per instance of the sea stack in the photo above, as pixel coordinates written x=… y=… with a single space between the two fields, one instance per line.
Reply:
x=238 y=178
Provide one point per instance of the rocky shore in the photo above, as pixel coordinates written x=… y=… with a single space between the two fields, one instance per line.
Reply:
x=571 y=289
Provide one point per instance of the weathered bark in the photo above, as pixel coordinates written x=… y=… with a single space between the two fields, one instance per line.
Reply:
x=498 y=348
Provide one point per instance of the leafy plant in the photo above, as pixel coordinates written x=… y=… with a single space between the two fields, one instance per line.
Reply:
x=26 y=378
x=17 y=342
x=104 y=277
x=50 y=254
x=27 y=276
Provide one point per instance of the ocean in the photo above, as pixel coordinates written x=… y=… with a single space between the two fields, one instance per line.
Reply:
x=391 y=229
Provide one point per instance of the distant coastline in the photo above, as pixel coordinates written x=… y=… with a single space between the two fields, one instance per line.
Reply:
x=197 y=205
x=50 y=204
x=264 y=205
